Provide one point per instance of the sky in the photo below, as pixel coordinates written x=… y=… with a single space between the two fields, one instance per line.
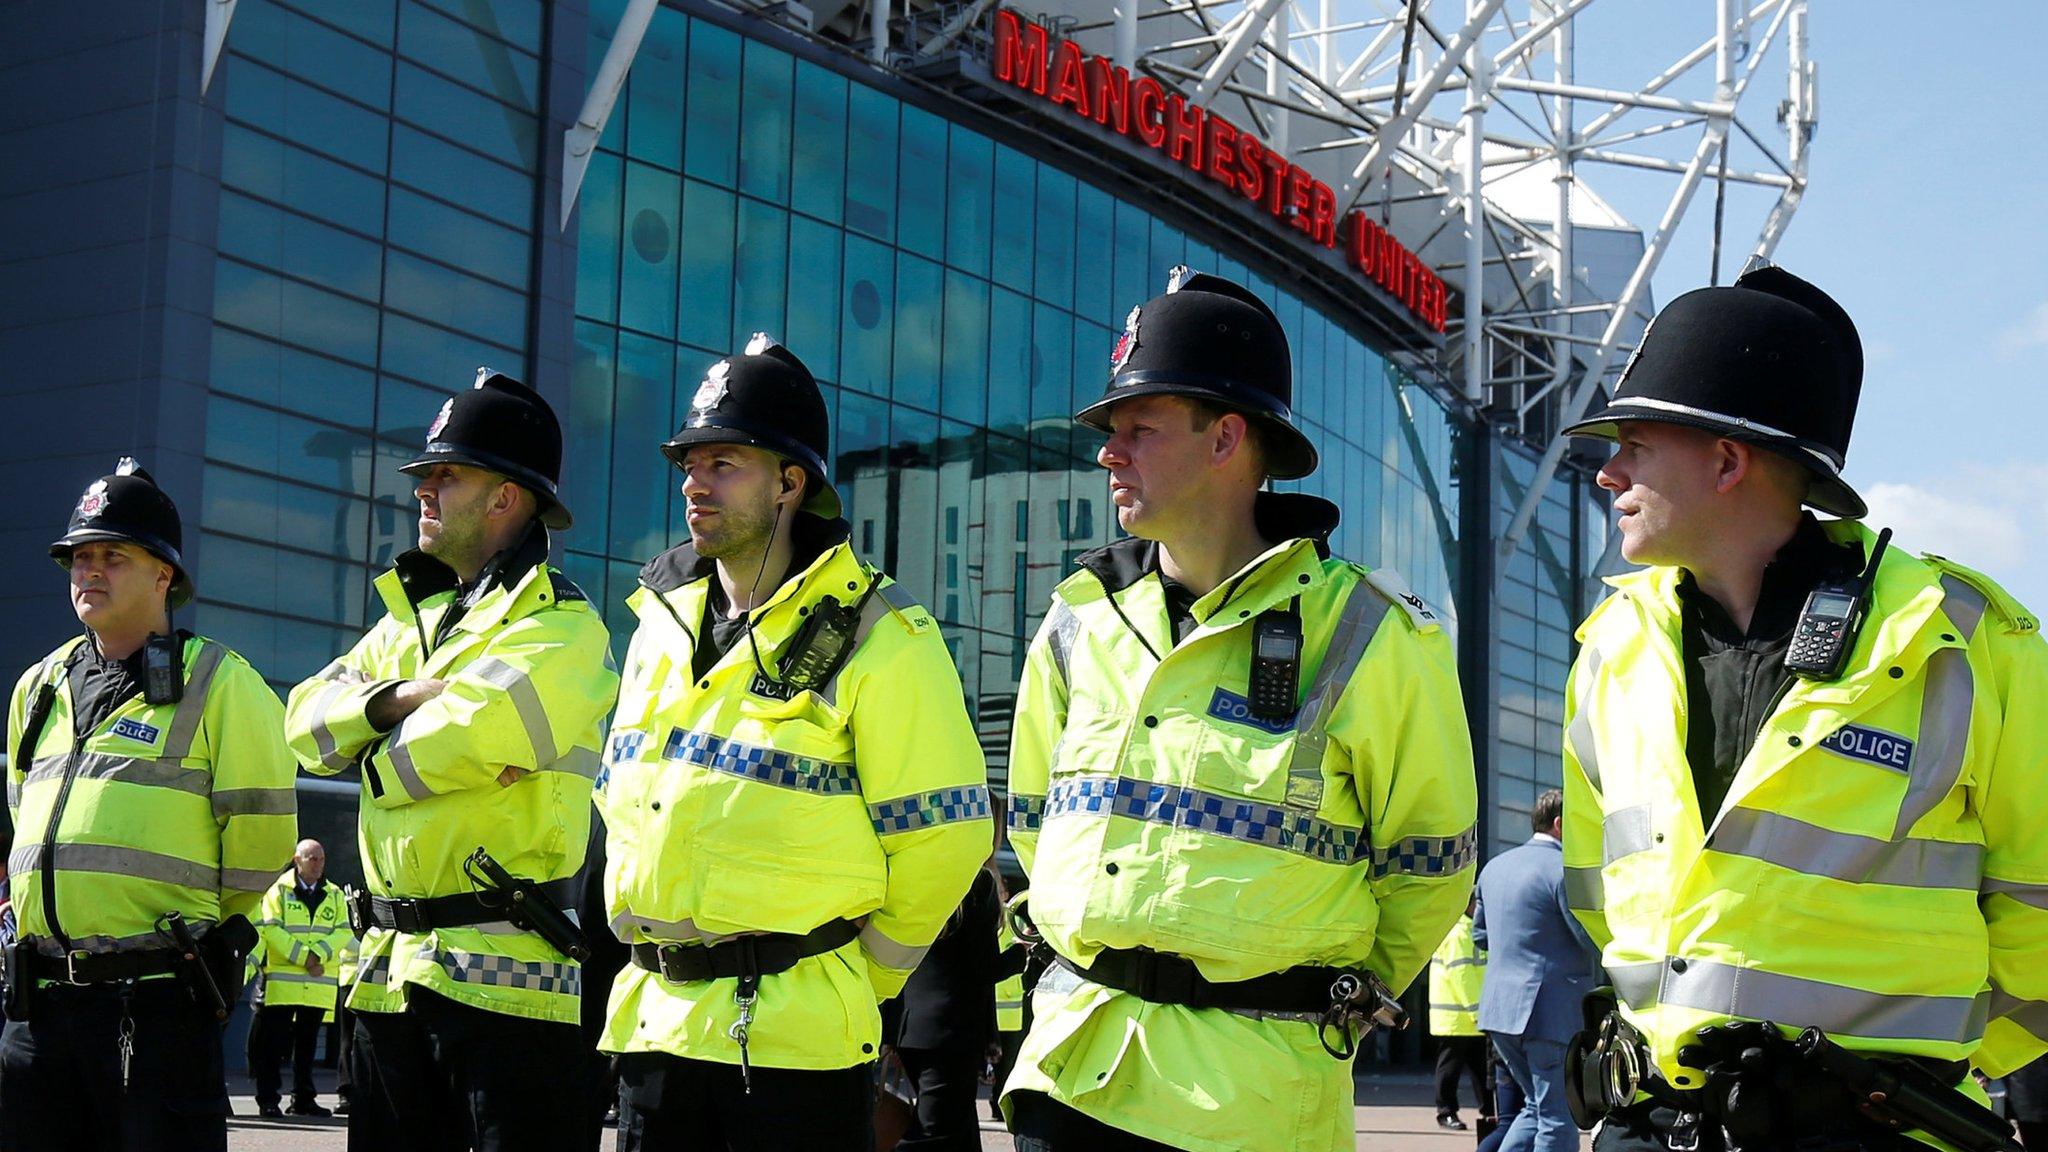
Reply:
x=1927 y=218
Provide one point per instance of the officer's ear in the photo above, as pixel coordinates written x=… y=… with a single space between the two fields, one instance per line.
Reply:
x=792 y=484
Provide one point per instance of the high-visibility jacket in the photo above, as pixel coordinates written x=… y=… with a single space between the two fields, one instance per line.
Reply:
x=1456 y=973
x=730 y=810
x=292 y=933
x=185 y=807
x=529 y=681
x=1154 y=810
x=1880 y=866
x=1010 y=989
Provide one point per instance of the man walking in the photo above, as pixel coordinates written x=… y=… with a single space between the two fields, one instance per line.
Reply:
x=1539 y=967
x=303 y=926
x=472 y=711
x=1240 y=776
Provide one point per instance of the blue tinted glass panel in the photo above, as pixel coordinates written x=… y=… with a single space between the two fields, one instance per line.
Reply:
x=466 y=53
x=285 y=107
x=288 y=378
x=276 y=171
x=586 y=436
x=449 y=110
x=433 y=292
x=260 y=577
x=766 y=105
x=711 y=138
x=302 y=248
x=598 y=207
x=654 y=92
x=641 y=420
x=453 y=236
x=372 y=20
x=920 y=289
x=1136 y=281
x=921 y=184
x=285 y=651
x=705 y=300
x=964 y=395
x=1094 y=240
x=267 y=508
x=647 y=262
x=604 y=23
x=1009 y=362
x=813 y=325
x=515 y=21
x=294 y=313
x=1052 y=365
x=761 y=287
x=286 y=445
x=1054 y=274
x=314 y=53
x=1012 y=218
x=871 y=162
x=442 y=170
x=868 y=316
x=436 y=356
x=970 y=200
x=818 y=179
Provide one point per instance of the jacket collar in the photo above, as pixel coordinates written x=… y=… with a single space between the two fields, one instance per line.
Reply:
x=508 y=580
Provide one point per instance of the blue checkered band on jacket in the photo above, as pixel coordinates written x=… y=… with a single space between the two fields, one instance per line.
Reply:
x=1427 y=855
x=1170 y=804
x=1026 y=812
x=782 y=769
x=505 y=972
x=942 y=807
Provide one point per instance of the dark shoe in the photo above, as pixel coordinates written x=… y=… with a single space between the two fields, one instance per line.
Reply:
x=309 y=1108
x=341 y=1109
x=1450 y=1124
x=270 y=1111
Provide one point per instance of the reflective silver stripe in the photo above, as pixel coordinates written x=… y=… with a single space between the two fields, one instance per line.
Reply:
x=630 y=928
x=1026 y=812
x=1578 y=735
x=1964 y=605
x=2035 y=895
x=113 y=858
x=1364 y=609
x=1944 y=735
x=302 y=929
x=1584 y=891
x=1060 y=629
x=582 y=762
x=192 y=706
x=505 y=972
x=1435 y=1007
x=897 y=597
x=141 y=771
x=323 y=737
x=1461 y=962
x=1625 y=833
x=2031 y=1015
x=945 y=806
x=525 y=700
x=256 y=802
x=296 y=978
x=402 y=765
x=376 y=971
x=888 y=952
x=296 y=954
x=245 y=879
x=1816 y=851
x=1754 y=994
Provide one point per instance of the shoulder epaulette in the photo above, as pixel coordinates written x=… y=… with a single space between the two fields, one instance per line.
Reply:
x=2010 y=613
x=1388 y=583
x=566 y=591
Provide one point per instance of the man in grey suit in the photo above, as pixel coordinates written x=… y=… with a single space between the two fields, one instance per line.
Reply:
x=1540 y=965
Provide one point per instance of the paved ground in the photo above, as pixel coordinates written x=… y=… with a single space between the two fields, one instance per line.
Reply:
x=1394 y=1115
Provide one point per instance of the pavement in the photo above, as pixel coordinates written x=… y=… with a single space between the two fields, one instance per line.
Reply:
x=1394 y=1114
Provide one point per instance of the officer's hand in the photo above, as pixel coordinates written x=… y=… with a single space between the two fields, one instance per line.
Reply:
x=512 y=775
x=391 y=706
x=314 y=967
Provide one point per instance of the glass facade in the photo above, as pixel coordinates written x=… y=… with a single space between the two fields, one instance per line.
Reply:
x=957 y=298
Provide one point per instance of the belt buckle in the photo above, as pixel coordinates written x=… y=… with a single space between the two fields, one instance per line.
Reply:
x=71 y=959
x=408 y=916
x=664 y=954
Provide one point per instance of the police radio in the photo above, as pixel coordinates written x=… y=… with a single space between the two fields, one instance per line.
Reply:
x=1276 y=664
x=1828 y=624
x=163 y=669
x=823 y=643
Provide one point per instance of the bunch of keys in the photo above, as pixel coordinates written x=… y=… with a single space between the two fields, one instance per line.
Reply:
x=127 y=1038
x=744 y=996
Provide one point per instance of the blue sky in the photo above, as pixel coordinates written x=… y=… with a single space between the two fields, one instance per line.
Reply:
x=1925 y=218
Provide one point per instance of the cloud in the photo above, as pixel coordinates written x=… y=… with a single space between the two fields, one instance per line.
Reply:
x=1989 y=517
x=2031 y=332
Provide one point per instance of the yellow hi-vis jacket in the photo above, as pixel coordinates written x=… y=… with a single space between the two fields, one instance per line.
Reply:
x=1154 y=810
x=1009 y=989
x=1456 y=974
x=291 y=934
x=185 y=807
x=529 y=681
x=730 y=810
x=1880 y=866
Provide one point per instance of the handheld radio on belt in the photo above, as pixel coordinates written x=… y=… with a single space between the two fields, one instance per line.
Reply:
x=1832 y=617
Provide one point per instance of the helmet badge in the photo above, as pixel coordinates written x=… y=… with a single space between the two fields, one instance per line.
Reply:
x=711 y=393
x=440 y=421
x=1126 y=343
x=94 y=501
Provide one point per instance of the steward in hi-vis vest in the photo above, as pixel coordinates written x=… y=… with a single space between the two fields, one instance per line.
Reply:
x=795 y=800
x=1457 y=972
x=473 y=713
x=152 y=805
x=303 y=924
x=1240 y=774
x=1803 y=769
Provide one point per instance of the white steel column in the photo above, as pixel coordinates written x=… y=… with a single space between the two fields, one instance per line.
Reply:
x=1126 y=33
x=878 y=30
x=1481 y=71
x=1276 y=74
x=1561 y=273
x=581 y=139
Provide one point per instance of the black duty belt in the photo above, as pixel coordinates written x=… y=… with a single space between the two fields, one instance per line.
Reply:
x=96 y=967
x=1163 y=978
x=742 y=956
x=426 y=913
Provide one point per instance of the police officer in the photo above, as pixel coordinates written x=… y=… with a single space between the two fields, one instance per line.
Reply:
x=796 y=799
x=1240 y=771
x=303 y=927
x=1457 y=972
x=152 y=803
x=472 y=711
x=1802 y=767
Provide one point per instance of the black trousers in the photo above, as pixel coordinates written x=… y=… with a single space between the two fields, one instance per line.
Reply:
x=1457 y=1055
x=61 y=1083
x=445 y=1076
x=1044 y=1125
x=287 y=1030
x=669 y=1104
x=948 y=1083
x=345 y=1029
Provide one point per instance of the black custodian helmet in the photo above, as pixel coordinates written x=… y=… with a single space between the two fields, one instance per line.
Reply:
x=128 y=507
x=764 y=396
x=1211 y=339
x=505 y=427
x=1771 y=361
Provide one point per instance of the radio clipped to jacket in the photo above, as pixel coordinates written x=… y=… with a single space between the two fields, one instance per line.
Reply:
x=1833 y=615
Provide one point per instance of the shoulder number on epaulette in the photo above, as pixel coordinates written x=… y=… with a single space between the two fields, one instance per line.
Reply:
x=2009 y=611
x=566 y=591
x=1389 y=584
x=905 y=606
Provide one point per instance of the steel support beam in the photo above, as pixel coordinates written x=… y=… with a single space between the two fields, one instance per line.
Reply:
x=581 y=139
x=219 y=14
x=1478 y=14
